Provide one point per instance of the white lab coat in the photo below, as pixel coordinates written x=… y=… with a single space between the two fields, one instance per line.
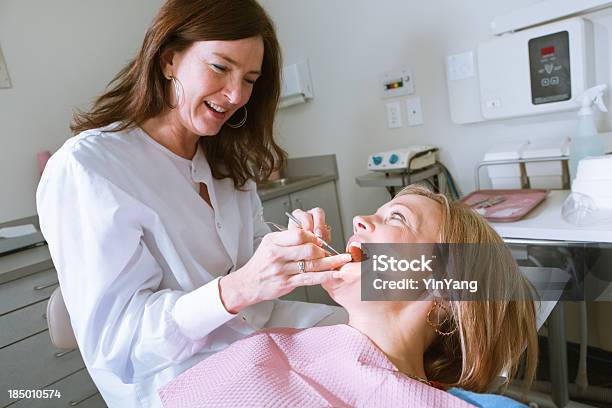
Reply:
x=139 y=253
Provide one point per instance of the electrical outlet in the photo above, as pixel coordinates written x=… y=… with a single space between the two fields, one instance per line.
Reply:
x=5 y=81
x=394 y=115
x=415 y=113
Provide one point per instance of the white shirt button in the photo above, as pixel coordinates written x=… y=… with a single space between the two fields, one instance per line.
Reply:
x=244 y=318
x=218 y=225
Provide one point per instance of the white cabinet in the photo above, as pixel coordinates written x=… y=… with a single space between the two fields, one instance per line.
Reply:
x=27 y=358
x=324 y=196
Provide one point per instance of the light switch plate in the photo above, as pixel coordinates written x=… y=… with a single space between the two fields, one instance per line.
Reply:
x=394 y=115
x=415 y=112
x=5 y=81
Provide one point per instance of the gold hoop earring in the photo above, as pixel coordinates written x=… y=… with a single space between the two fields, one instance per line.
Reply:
x=438 y=324
x=239 y=124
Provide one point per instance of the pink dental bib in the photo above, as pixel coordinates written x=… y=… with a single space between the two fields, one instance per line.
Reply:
x=333 y=366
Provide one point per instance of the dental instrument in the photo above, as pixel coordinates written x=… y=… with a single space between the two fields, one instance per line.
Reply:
x=325 y=245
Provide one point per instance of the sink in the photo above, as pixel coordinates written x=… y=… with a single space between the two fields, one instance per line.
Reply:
x=285 y=181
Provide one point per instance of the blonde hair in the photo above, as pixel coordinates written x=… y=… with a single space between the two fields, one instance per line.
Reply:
x=491 y=335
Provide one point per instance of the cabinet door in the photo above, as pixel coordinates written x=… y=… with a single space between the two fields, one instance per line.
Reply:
x=274 y=210
x=324 y=196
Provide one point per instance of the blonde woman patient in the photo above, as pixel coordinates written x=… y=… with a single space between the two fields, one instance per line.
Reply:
x=433 y=352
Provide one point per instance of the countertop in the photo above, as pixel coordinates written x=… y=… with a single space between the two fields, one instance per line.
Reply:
x=270 y=193
x=545 y=223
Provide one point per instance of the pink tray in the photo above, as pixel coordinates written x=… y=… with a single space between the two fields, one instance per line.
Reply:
x=517 y=204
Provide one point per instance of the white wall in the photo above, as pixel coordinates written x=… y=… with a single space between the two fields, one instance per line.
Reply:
x=60 y=54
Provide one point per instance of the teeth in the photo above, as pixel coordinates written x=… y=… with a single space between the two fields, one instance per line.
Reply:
x=354 y=244
x=215 y=107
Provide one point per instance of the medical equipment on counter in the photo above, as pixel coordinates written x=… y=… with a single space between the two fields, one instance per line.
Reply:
x=586 y=141
x=403 y=158
x=534 y=71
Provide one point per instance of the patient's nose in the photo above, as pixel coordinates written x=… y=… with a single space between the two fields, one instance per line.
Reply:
x=361 y=223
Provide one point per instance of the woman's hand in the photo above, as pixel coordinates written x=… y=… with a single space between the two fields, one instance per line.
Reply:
x=312 y=220
x=274 y=271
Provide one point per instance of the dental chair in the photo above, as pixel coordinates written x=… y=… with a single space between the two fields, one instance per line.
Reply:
x=58 y=320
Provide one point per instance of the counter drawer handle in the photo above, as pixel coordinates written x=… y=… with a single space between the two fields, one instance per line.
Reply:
x=46 y=285
x=44 y=316
x=63 y=353
x=74 y=403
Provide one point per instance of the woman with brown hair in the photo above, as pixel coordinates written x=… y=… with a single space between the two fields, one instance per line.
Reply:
x=431 y=352
x=152 y=205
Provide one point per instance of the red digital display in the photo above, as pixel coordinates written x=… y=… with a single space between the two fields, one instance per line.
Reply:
x=547 y=51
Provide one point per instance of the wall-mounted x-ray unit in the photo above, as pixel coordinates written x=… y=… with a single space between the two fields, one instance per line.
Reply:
x=538 y=70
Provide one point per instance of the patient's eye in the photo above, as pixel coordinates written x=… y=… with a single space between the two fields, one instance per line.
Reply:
x=397 y=216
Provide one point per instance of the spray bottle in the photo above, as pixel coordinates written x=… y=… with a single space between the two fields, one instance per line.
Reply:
x=586 y=141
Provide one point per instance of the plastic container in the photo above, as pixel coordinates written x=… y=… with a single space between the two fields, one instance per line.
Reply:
x=505 y=176
x=548 y=175
x=594 y=179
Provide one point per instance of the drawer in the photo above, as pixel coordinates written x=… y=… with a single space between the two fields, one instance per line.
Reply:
x=22 y=323
x=76 y=390
x=33 y=363
x=27 y=290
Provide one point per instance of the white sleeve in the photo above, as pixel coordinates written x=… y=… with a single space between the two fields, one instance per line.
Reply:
x=110 y=280
x=260 y=228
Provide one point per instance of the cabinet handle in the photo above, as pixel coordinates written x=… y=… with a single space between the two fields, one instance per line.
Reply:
x=63 y=353
x=44 y=316
x=299 y=204
x=74 y=403
x=287 y=206
x=45 y=286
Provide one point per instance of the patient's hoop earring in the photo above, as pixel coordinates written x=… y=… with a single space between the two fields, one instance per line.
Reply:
x=239 y=124
x=437 y=325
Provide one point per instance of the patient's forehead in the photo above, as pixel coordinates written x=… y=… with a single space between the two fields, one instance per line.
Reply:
x=422 y=206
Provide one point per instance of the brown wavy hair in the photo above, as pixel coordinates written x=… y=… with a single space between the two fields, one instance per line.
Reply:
x=140 y=91
x=491 y=335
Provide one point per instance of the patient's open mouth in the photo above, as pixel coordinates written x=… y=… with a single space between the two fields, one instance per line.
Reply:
x=357 y=253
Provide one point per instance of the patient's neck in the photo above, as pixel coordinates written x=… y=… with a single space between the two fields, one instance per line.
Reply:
x=400 y=331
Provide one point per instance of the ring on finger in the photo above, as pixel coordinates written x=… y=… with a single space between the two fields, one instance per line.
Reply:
x=302 y=266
